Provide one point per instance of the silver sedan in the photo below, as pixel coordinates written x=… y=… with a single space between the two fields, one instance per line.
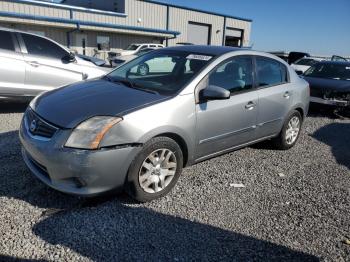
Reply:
x=135 y=131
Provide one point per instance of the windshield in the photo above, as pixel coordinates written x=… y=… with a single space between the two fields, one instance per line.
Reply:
x=306 y=62
x=164 y=72
x=132 y=47
x=330 y=71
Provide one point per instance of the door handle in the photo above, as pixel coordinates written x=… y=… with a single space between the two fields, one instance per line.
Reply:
x=286 y=95
x=34 y=63
x=250 y=105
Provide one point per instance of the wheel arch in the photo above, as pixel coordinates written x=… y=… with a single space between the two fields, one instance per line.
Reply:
x=180 y=141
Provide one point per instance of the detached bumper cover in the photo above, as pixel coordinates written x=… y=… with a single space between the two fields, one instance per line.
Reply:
x=333 y=102
x=73 y=171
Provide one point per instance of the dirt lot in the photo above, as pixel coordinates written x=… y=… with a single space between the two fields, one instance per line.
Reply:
x=295 y=206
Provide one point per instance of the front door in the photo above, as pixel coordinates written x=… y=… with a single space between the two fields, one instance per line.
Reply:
x=45 y=68
x=225 y=124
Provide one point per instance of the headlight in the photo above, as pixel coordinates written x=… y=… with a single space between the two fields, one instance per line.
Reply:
x=90 y=133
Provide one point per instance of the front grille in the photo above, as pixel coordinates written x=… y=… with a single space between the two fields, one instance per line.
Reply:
x=39 y=127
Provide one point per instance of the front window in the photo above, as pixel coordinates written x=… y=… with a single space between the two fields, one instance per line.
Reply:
x=39 y=46
x=306 y=62
x=235 y=75
x=132 y=47
x=330 y=71
x=164 y=72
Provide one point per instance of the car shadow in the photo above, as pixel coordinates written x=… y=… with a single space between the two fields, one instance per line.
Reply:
x=7 y=107
x=116 y=232
x=337 y=136
x=114 y=228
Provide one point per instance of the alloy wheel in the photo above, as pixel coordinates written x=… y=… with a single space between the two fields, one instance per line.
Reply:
x=293 y=130
x=157 y=171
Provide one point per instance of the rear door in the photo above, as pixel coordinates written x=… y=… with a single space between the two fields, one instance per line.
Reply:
x=275 y=95
x=225 y=124
x=12 y=66
x=45 y=68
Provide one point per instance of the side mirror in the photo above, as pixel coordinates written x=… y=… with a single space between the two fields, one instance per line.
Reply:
x=214 y=93
x=69 y=58
x=299 y=72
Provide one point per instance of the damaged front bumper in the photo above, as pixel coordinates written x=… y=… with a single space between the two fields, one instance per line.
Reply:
x=74 y=171
x=334 y=99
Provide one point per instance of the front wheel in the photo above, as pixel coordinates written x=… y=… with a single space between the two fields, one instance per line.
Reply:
x=290 y=132
x=143 y=69
x=155 y=170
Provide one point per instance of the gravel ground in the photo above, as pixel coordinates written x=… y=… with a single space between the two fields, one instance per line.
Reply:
x=294 y=207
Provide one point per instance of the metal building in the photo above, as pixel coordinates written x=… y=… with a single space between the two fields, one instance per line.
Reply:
x=88 y=26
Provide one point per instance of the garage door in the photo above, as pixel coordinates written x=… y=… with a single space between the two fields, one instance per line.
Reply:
x=198 y=34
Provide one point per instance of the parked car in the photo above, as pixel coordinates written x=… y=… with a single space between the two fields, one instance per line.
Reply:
x=294 y=56
x=96 y=61
x=184 y=43
x=137 y=132
x=31 y=64
x=132 y=50
x=329 y=83
x=290 y=57
x=117 y=61
x=339 y=58
x=303 y=64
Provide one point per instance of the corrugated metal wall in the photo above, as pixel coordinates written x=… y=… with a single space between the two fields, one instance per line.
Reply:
x=179 y=19
x=57 y=34
x=240 y=24
x=139 y=14
x=117 y=41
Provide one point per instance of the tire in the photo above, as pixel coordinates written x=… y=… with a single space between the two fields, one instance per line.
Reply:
x=143 y=69
x=283 y=141
x=143 y=171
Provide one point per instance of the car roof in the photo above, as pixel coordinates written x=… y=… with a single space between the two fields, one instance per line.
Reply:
x=346 y=63
x=205 y=49
x=28 y=33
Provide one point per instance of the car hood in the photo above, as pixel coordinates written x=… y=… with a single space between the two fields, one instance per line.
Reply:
x=127 y=52
x=328 y=84
x=68 y=106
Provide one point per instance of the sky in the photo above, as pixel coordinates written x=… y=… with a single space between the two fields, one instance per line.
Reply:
x=319 y=27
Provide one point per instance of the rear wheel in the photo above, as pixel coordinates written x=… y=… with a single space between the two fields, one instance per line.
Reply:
x=290 y=132
x=155 y=170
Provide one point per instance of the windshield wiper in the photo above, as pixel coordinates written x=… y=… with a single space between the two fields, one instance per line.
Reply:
x=126 y=82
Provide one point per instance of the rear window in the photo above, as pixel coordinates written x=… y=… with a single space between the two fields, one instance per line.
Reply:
x=6 y=42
